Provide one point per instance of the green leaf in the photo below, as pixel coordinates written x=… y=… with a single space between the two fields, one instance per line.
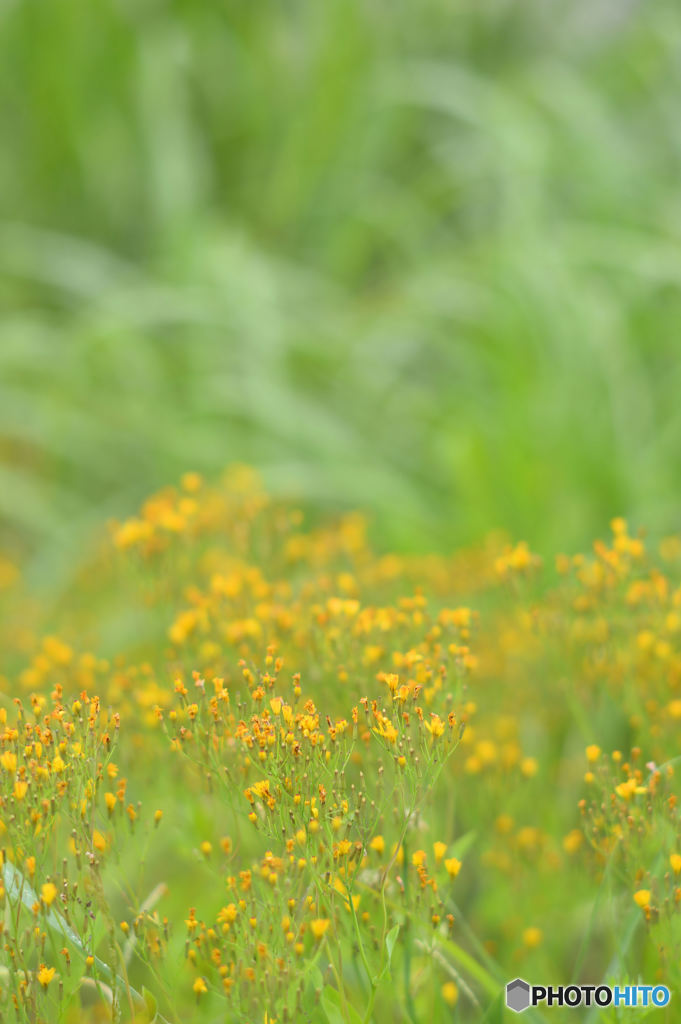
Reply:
x=314 y=975
x=331 y=1005
x=151 y=1005
x=495 y=1012
x=390 y=940
x=463 y=844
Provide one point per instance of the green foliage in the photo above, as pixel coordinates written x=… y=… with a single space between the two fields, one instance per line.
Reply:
x=420 y=259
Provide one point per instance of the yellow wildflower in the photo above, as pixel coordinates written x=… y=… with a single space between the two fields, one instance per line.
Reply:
x=49 y=893
x=319 y=927
x=532 y=937
x=450 y=993
x=452 y=866
x=439 y=849
x=45 y=975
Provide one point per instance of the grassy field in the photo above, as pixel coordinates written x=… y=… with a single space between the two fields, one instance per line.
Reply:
x=253 y=770
x=416 y=262
x=420 y=261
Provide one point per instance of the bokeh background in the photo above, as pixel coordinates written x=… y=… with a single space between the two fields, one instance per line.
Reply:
x=418 y=258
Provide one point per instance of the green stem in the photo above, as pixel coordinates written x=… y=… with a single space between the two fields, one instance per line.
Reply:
x=362 y=952
x=406 y=963
x=471 y=966
x=370 y=1007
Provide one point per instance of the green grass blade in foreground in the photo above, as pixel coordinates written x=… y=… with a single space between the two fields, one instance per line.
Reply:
x=20 y=890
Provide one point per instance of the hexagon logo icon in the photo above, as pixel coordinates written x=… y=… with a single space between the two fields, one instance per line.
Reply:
x=517 y=995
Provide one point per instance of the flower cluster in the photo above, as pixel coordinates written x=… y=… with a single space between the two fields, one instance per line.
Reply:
x=362 y=781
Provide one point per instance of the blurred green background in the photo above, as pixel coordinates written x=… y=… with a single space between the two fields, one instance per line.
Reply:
x=420 y=258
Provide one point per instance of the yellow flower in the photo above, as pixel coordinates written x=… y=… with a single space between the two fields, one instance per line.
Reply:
x=9 y=761
x=191 y=482
x=675 y=863
x=99 y=841
x=436 y=726
x=439 y=849
x=532 y=937
x=452 y=866
x=642 y=897
x=319 y=927
x=130 y=532
x=391 y=680
x=377 y=844
x=45 y=975
x=48 y=893
x=450 y=993
x=199 y=987
x=387 y=730
x=626 y=790
x=593 y=753
x=573 y=840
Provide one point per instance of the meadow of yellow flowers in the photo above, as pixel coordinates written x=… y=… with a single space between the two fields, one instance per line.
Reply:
x=253 y=769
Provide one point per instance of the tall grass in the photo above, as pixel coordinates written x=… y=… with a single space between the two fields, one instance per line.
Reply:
x=420 y=258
